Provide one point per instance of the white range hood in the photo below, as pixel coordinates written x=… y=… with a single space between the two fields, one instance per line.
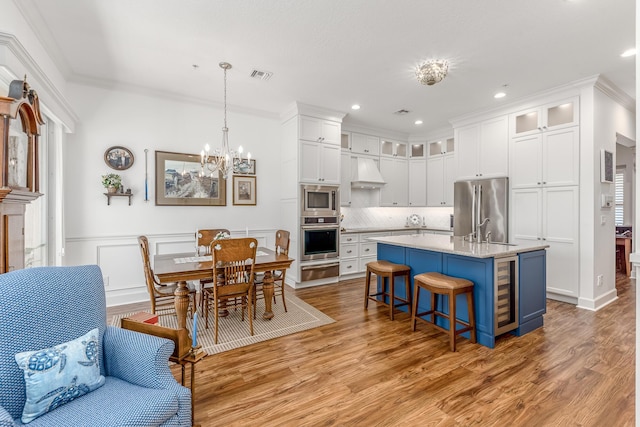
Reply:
x=366 y=175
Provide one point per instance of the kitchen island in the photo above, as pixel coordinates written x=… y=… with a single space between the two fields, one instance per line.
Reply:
x=509 y=280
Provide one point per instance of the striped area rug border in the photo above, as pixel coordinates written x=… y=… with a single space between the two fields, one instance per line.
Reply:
x=233 y=332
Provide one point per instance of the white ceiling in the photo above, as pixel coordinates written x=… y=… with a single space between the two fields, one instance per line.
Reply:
x=334 y=53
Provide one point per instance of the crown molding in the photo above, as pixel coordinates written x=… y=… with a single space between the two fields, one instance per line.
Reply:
x=569 y=89
x=297 y=108
x=614 y=92
x=47 y=90
x=379 y=132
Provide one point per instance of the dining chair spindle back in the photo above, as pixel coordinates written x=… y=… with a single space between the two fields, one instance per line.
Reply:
x=160 y=295
x=233 y=276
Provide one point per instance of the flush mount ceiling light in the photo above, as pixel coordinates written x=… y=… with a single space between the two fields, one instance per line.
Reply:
x=355 y=107
x=432 y=72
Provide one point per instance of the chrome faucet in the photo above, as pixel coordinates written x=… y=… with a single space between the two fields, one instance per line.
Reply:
x=479 y=232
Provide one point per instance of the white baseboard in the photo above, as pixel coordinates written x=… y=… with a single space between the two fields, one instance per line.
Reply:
x=598 y=303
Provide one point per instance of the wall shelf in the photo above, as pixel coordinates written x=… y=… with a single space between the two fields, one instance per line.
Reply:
x=110 y=195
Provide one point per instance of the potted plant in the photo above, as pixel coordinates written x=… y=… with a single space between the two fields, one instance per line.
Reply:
x=112 y=182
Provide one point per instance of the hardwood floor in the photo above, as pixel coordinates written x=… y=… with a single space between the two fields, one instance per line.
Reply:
x=578 y=370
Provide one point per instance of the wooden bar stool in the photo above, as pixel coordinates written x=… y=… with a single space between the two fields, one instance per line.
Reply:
x=439 y=284
x=387 y=270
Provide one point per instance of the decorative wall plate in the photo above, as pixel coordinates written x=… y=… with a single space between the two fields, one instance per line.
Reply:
x=414 y=219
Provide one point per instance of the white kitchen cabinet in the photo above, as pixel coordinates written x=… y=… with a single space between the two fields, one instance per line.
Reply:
x=550 y=158
x=441 y=147
x=356 y=251
x=396 y=190
x=319 y=130
x=551 y=216
x=551 y=116
x=319 y=163
x=349 y=266
x=390 y=148
x=441 y=174
x=483 y=149
x=346 y=164
x=417 y=182
x=345 y=141
x=365 y=144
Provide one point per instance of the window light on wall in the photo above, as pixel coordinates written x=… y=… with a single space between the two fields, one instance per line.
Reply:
x=619 y=182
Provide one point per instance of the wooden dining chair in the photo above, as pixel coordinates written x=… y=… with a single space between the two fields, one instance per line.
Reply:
x=204 y=237
x=282 y=247
x=233 y=261
x=161 y=295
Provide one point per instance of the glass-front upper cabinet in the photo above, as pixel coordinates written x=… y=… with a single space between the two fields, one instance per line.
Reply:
x=345 y=141
x=555 y=115
x=417 y=150
x=440 y=147
x=391 y=148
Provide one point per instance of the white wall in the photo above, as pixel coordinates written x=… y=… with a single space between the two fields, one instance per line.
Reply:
x=106 y=235
x=609 y=118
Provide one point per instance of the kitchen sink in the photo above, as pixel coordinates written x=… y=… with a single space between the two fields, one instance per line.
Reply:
x=503 y=244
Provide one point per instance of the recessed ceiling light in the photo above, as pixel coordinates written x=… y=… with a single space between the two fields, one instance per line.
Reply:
x=418 y=122
x=499 y=95
x=628 y=52
x=355 y=107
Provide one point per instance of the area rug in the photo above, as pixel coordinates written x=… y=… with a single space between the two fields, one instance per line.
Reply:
x=234 y=333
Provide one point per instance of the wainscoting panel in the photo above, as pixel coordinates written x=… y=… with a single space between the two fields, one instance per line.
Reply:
x=121 y=263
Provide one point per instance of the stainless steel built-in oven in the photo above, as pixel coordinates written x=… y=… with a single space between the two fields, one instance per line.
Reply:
x=320 y=200
x=320 y=242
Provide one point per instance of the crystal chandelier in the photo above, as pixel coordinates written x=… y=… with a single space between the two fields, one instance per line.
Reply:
x=223 y=159
x=432 y=72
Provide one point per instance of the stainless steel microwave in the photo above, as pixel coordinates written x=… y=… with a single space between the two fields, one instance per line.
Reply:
x=320 y=200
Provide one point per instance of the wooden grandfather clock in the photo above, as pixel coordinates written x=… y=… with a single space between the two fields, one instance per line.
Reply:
x=20 y=128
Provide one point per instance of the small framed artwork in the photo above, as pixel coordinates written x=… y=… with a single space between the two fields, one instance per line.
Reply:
x=118 y=158
x=182 y=181
x=606 y=166
x=244 y=190
x=244 y=167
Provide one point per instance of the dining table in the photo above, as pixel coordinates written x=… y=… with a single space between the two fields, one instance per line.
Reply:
x=183 y=267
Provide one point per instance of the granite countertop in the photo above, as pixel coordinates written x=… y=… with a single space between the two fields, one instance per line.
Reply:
x=457 y=246
x=380 y=229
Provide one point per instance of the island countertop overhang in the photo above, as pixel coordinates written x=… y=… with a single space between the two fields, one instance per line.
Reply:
x=457 y=245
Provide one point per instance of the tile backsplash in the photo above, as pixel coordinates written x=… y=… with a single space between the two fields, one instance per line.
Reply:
x=377 y=217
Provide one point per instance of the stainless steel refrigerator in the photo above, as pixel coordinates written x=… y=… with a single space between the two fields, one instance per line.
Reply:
x=481 y=204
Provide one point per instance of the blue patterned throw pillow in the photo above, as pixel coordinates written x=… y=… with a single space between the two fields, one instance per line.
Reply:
x=57 y=375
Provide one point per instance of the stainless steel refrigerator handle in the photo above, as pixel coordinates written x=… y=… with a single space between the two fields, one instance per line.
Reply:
x=478 y=216
x=473 y=212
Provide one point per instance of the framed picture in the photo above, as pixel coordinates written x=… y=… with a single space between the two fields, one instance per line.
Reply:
x=244 y=190
x=606 y=166
x=118 y=158
x=246 y=167
x=181 y=181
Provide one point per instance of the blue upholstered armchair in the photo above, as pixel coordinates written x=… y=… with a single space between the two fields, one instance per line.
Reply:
x=41 y=308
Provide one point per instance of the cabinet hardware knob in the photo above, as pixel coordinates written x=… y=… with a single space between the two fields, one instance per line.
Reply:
x=349 y=266
x=366 y=250
x=539 y=183
x=348 y=252
x=544 y=182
